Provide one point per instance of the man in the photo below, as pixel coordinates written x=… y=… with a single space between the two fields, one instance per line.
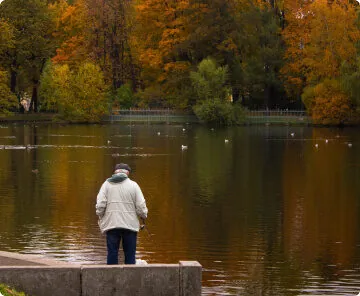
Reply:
x=119 y=204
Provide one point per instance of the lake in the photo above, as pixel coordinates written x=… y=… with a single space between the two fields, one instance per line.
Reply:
x=275 y=210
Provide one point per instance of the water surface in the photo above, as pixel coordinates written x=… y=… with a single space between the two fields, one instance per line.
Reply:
x=267 y=213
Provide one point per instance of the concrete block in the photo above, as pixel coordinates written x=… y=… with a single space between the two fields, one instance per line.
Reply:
x=190 y=278
x=131 y=280
x=43 y=281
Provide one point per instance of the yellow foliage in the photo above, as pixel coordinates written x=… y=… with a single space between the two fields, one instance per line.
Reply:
x=319 y=38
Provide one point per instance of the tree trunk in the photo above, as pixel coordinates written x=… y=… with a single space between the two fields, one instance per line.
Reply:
x=13 y=81
x=235 y=94
x=34 y=98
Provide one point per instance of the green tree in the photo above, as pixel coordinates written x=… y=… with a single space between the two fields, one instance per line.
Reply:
x=350 y=82
x=124 y=97
x=209 y=82
x=213 y=95
x=47 y=94
x=262 y=56
x=32 y=30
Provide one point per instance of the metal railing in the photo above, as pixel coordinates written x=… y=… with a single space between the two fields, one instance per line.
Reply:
x=151 y=115
x=276 y=113
x=277 y=117
x=171 y=115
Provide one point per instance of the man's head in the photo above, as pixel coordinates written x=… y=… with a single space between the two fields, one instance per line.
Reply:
x=122 y=168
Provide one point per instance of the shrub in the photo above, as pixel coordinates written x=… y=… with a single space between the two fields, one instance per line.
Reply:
x=219 y=113
x=7 y=291
x=327 y=103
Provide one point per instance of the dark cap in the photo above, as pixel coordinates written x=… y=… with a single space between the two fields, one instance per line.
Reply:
x=122 y=166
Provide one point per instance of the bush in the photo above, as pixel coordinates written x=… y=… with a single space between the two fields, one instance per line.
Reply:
x=7 y=291
x=220 y=113
x=327 y=103
x=124 y=97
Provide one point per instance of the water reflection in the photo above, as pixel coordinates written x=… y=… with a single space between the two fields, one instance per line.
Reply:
x=266 y=213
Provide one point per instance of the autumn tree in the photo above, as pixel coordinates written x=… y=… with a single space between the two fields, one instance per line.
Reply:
x=71 y=32
x=159 y=33
x=32 y=30
x=240 y=34
x=320 y=37
x=79 y=94
x=112 y=23
x=328 y=103
x=8 y=101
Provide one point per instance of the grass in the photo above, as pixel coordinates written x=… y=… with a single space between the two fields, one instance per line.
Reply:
x=7 y=291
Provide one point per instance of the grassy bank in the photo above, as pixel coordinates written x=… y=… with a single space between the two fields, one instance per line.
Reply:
x=27 y=117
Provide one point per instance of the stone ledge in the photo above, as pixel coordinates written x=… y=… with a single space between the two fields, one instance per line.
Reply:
x=15 y=259
x=43 y=277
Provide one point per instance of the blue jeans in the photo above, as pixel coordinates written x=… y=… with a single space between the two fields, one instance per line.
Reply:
x=113 y=238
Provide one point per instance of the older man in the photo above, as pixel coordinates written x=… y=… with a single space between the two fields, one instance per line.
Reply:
x=119 y=204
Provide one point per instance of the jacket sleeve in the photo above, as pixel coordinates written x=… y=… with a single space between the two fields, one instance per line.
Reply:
x=140 y=203
x=101 y=201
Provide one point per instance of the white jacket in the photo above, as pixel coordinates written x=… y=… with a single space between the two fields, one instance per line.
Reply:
x=118 y=205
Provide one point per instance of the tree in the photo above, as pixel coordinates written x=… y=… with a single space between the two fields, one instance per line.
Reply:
x=157 y=43
x=8 y=101
x=7 y=41
x=213 y=95
x=110 y=40
x=319 y=37
x=209 y=82
x=71 y=32
x=79 y=94
x=32 y=30
x=47 y=95
x=261 y=54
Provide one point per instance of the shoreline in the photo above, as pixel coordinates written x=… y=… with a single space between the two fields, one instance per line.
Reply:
x=169 y=119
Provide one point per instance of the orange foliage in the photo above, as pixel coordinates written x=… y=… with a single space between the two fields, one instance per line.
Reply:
x=327 y=103
x=72 y=21
x=331 y=110
x=319 y=37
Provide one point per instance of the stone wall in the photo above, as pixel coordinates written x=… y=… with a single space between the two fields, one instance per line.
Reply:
x=42 y=278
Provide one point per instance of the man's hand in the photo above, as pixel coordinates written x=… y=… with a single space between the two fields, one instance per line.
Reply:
x=142 y=226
